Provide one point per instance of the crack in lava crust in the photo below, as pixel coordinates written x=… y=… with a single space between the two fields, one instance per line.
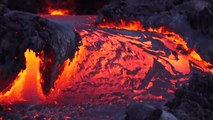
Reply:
x=118 y=66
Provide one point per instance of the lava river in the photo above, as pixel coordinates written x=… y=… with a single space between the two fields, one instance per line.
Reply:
x=123 y=63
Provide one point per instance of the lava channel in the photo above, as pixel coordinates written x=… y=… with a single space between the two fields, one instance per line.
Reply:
x=121 y=63
x=117 y=64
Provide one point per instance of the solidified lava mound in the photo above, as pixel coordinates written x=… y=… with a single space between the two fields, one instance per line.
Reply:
x=192 y=19
x=51 y=42
x=194 y=101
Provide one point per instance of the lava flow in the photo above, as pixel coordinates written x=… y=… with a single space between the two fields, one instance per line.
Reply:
x=58 y=12
x=171 y=40
x=57 y=8
x=116 y=65
x=122 y=25
x=27 y=86
x=128 y=62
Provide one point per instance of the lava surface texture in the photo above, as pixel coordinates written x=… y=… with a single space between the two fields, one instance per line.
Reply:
x=115 y=65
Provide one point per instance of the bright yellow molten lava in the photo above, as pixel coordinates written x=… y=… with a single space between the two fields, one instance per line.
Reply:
x=27 y=85
x=58 y=12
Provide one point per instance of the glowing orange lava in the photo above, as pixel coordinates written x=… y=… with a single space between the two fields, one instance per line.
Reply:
x=170 y=39
x=114 y=67
x=64 y=79
x=27 y=85
x=133 y=25
x=58 y=12
x=132 y=65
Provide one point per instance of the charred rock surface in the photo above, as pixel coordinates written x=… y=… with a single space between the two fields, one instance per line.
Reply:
x=192 y=102
x=89 y=7
x=20 y=31
x=190 y=18
x=23 y=5
x=195 y=100
x=147 y=112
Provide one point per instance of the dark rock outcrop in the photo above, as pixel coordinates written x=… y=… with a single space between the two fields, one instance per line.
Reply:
x=24 y=5
x=89 y=7
x=194 y=101
x=192 y=19
x=147 y=112
x=20 y=31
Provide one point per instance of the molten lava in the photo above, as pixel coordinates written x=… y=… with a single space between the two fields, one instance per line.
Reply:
x=115 y=66
x=27 y=85
x=170 y=39
x=55 y=7
x=119 y=66
x=58 y=12
x=133 y=25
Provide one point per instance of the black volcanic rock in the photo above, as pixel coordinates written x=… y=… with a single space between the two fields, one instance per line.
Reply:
x=192 y=19
x=147 y=112
x=89 y=7
x=142 y=112
x=20 y=31
x=23 y=5
x=3 y=9
x=194 y=101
